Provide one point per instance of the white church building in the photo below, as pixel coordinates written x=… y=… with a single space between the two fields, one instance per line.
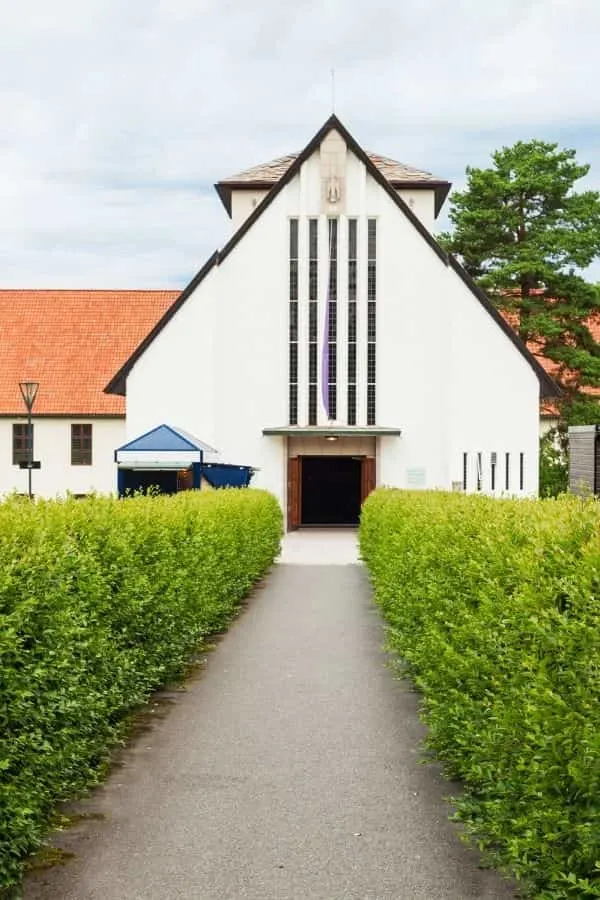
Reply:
x=332 y=345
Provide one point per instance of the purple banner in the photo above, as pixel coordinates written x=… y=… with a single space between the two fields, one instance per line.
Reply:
x=325 y=358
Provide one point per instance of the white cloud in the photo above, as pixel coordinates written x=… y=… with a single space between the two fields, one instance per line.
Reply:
x=117 y=117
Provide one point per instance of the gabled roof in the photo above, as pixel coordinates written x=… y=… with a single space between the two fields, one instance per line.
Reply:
x=71 y=342
x=548 y=388
x=166 y=438
x=266 y=175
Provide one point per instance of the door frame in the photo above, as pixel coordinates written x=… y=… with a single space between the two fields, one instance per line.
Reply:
x=368 y=480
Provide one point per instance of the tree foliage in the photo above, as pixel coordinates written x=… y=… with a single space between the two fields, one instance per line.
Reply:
x=554 y=463
x=525 y=235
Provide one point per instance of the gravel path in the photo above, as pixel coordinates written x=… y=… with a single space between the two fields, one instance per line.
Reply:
x=287 y=771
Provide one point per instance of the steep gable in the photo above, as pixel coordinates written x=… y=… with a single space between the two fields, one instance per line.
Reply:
x=547 y=386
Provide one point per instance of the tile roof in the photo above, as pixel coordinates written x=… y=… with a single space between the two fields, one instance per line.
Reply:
x=265 y=173
x=270 y=172
x=72 y=342
x=397 y=172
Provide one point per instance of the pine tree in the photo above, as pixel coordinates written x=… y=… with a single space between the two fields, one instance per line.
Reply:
x=525 y=236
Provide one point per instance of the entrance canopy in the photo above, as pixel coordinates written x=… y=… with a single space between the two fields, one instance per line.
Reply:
x=164 y=447
x=337 y=431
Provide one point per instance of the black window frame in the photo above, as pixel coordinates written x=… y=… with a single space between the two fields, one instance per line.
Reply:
x=293 y=324
x=23 y=436
x=371 y=321
x=313 y=327
x=521 y=471
x=82 y=444
x=352 y=319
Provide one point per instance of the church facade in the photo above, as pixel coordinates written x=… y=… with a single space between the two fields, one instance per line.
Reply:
x=332 y=345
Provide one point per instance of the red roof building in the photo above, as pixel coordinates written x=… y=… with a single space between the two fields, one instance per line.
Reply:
x=72 y=343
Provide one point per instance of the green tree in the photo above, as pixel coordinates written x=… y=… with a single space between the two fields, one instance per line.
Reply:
x=554 y=463
x=525 y=236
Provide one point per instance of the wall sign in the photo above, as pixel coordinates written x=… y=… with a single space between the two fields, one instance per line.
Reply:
x=415 y=478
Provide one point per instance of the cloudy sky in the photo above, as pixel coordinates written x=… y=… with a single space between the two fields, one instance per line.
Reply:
x=119 y=115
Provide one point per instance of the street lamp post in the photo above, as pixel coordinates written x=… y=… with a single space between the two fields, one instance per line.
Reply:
x=29 y=391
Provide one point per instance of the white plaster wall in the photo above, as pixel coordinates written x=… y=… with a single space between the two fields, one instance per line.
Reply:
x=173 y=382
x=251 y=333
x=243 y=203
x=52 y=447
x=219 y=368
x=448 y=376
x=422 y=203
x=411 y=354
x=493 y=400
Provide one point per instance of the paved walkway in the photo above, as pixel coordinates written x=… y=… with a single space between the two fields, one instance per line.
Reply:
x=287 y=771
x=320 y=547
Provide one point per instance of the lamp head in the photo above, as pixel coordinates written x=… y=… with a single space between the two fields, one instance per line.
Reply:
x=29 y=391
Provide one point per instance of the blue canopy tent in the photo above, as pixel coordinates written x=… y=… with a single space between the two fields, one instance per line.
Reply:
x=170 y=460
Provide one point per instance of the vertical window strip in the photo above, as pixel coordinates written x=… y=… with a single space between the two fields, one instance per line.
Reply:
x=352 y=265
x=507 y=471
x=493 y=464
x=313 y=292
x=521 y=471
x=371 y=319
x=293 y=324
x=331 y=337
x=479 y=471
x=465 y=472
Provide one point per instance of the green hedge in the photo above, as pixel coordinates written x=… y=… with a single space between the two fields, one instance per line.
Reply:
x=495 y=607
x=101 y=602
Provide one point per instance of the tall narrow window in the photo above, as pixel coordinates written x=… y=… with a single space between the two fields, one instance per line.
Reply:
x=293 y=324
x=521 y=471
x=81 y=445
x=352 y=248
x=465 y=471
x=493 y=464
x=371 y=319
x=479 y=471
x=313 y=293
x=507 y=471
x=330 y=370
x=22 y=438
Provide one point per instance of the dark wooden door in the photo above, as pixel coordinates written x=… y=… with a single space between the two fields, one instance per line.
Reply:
x=367 y=480
x=293 y=492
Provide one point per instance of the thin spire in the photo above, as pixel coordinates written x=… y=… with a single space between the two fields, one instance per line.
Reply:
x=333 y=89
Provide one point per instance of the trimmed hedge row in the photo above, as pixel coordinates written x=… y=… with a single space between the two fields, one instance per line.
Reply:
x=101 y=602
x=495 y=607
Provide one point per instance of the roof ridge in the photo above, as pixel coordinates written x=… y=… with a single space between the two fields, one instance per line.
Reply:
x=264 y=170
x=90 y=290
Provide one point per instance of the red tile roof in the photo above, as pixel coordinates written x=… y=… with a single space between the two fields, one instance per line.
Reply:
x=72 y=342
